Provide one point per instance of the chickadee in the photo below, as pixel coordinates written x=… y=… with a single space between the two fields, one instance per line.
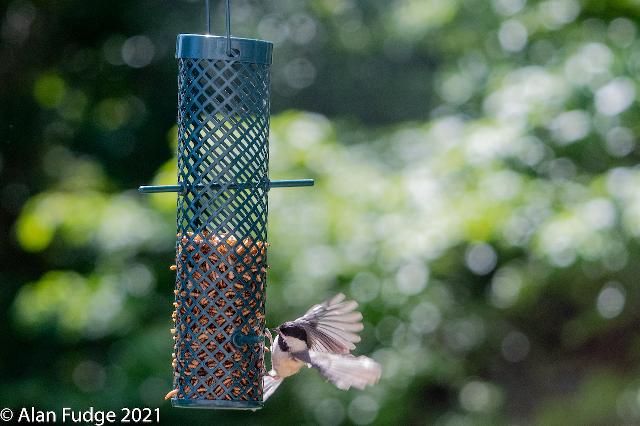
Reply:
x=323 y=339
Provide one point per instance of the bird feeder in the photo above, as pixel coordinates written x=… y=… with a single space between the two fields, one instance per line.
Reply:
x=221 y=241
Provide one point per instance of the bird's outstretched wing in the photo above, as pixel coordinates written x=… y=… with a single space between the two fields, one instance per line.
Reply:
x=332 y=326
x=342 y=370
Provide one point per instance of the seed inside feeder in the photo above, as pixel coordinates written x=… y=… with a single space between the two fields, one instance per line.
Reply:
x=219 y=293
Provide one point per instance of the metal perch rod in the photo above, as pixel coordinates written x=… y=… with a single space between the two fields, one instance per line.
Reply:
x=294 y=183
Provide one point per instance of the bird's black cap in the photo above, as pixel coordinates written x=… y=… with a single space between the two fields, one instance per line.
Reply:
x=291 y=329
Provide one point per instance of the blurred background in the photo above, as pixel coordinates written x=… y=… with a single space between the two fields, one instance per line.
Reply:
x=476 y=191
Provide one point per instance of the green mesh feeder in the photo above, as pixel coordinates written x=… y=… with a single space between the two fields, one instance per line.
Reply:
x=221 y=241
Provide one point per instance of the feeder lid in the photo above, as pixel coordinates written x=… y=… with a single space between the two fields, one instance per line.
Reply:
x=201 y=46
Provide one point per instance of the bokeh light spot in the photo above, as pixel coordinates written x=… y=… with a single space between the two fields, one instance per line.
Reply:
x=508 y=7
x=138 y=51
x=505 y=287
x=620 y=141
x=300 y=73
x=329 y=412
x=412 y=278
x=622 y=31
x=513 y=35
x=570 y=126
x=89 y=376
x=363 y=410
x=481 y=258
x=49 y=90
x=610 y=301
x=476 y=396
x=615 y=97
x=365 y=287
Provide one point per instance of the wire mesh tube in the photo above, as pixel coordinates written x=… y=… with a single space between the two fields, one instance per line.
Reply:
x=223 y=126
x=221 y=240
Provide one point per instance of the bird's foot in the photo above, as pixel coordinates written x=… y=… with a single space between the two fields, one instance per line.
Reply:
x=267 y=333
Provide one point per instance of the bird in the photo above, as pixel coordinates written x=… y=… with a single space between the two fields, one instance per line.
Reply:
x=323 y=339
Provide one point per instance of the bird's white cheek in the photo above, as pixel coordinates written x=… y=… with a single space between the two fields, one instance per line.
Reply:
x=295 y=345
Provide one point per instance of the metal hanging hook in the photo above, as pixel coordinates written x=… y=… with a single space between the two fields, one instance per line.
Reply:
x=207 y=12
x=228 y=15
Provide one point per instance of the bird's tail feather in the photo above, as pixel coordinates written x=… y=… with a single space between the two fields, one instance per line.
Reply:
x=346 y=371
x=269 y=385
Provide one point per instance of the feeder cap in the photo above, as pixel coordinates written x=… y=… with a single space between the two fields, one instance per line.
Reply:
x=201 y=46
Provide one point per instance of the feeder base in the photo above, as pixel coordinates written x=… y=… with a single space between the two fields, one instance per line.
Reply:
x=216 y=405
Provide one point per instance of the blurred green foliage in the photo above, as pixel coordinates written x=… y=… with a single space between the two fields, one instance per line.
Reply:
x=477 y=193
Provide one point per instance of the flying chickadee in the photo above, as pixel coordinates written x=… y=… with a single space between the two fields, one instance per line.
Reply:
x=323 y=339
